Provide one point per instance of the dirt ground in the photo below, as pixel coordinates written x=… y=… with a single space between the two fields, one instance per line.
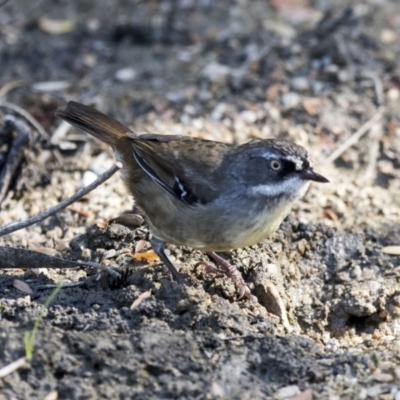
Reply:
x=327 y=325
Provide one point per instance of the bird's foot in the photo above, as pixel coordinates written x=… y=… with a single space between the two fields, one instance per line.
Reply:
x=158 y=247
x=231 y=272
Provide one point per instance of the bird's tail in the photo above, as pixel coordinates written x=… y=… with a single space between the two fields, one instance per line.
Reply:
x=94 y=122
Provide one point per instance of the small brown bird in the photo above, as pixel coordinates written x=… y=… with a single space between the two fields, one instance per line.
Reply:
x=200 y=193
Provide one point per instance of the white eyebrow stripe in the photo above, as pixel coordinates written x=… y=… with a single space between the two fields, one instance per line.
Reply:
x=298 y=162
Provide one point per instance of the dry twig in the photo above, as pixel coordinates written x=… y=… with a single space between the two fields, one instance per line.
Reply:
x=24 y=114
x=353 y=139
x=15 y=153
x=101 y=267
x=12 y=367
x=11 y=258
x=53 y=210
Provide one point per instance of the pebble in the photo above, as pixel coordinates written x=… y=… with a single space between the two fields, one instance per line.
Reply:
x=332 y=345
x=126 y=74
x=290 y=100
x=22 y=301
x=65 y=145
x=78 y=275
x=215 y=72
x=382 y=377
x=248 y=116
x=388 y=36
x=356 y=272
x=109 y=254
x=287 y=392
x=273 y=270
x=300 y=84
x=219 y=111
x=376 y=390
x=88 y=178
x=396 y=347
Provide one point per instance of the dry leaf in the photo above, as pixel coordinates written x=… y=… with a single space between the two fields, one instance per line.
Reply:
x=147 y=256
x=22 y=286
x=391 y=250
x=331 y=214
x=131 y=221
x=140 y=299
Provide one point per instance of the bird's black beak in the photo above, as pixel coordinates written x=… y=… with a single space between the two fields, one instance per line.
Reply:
x=310 y=175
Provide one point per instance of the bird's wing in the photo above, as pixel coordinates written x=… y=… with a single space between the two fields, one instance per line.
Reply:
x=185 y=167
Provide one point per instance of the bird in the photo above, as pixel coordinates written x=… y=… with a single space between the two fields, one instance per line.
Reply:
x=203 y=194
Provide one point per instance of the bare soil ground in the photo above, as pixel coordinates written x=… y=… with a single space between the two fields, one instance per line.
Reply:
x=311 y=72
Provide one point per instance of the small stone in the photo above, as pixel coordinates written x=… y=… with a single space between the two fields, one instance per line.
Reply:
x=248 y=116
x=332 y=345
x=376 y=390
x=382 y=377
x=388 y=36
x=287 y=392
x=215 y=72
x=78 y=275
x=88 y=178
x=217 y=390
x=125 y=74
x=300 y=84
x=356 y=272
x=219 y=111
x=362 y=395
x=86 y=253
x=65 y=145
x=109 y=254
x=290 y=100
x=22 y=301
x=396 y=347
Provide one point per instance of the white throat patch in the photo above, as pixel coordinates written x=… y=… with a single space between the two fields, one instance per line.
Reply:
x=292 y=187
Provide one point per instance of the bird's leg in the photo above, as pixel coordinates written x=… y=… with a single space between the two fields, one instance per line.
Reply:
x=159 y=249
x=233 y=273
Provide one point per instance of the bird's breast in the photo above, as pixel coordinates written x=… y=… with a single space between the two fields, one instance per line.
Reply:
x=254 y=227
x=225 y=224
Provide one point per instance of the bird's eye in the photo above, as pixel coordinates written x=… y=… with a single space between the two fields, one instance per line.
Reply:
x=276 y=165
